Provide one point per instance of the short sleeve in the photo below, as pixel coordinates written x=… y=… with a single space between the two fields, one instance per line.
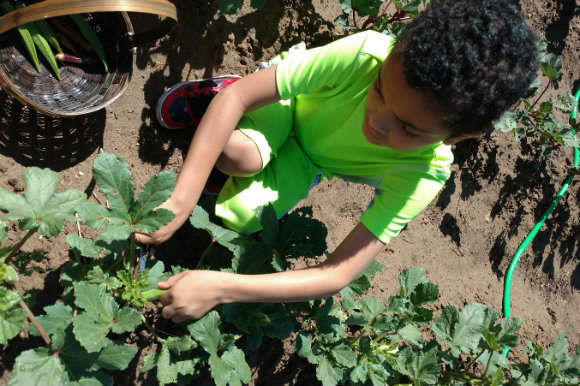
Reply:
x=327 y=66
x=400 y=197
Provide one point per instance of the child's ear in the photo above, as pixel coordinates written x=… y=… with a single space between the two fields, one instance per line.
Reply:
x=458 y=138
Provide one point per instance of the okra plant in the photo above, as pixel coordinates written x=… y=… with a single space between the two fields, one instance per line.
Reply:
x=94 y=329
x=536 y=117
x=379 y=15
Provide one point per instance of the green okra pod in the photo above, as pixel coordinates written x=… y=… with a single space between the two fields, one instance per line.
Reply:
x=153 y=294
x=44 y=47
x=91 y=37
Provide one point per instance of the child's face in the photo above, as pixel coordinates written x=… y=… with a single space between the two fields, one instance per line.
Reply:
x=398 y=115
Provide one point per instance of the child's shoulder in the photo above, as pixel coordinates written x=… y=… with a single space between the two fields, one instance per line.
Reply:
x=371 y=42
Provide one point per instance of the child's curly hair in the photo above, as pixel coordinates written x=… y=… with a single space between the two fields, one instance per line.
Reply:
x=476 y=57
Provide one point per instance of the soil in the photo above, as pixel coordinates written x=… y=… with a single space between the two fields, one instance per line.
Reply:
x=464 y=240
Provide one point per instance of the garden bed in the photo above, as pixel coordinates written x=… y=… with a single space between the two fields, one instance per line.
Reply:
x=464 y=240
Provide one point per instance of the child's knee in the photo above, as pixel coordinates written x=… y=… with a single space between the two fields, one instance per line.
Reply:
x=240 y=156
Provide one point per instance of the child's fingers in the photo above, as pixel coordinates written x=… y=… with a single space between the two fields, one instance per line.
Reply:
x=170 y=282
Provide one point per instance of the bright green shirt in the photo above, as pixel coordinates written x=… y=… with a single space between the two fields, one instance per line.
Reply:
x=327 y=87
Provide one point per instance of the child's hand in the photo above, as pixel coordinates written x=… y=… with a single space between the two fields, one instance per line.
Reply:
x=190 y=294
x=164 y=233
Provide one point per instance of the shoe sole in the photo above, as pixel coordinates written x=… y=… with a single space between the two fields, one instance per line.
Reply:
x=164 y=96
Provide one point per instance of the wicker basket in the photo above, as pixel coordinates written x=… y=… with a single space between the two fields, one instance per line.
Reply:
x=85 y=88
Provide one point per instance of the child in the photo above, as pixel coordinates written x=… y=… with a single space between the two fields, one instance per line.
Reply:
x=364 y=108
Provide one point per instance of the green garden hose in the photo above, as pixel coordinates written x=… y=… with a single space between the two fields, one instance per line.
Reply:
x=532 y=234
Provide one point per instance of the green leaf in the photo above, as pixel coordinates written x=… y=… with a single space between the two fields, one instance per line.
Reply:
x=301 y=235
x=565 y=367
x=166 y=371
x=551 y=65
x=506 y=122
x=411 y=333
x=270 y=233
x=200 y=219
x=179 y=344
x=376 y=373
x=8 y=274
x=48 y=33
x=44 y=47
x=206 y=331
x=409 y=279
x=567 y=103
x=156 y=191
x=114 y=356
x=421 y=366
x=493 y=361
x=113 y=177
x=38 y=367
x=231 y=368
x=303 y=347
x=12 y=317
x=40 y=207
x=82 y=247
x=230 y=7
x=500 y=336
x=101 y=315
x=24 y=35
x=3 y=230
x=89 y=34
x=58 y=316
x=462 y=332
x=328 y=320
x=360 y=285
x=327 y=374
x=424 y=293
x=344 y=356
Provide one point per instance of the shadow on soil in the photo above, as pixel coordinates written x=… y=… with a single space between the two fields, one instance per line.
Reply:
x=200 y=42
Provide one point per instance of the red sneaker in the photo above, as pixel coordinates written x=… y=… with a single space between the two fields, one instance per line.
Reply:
x=215 y=182
x=184 y=104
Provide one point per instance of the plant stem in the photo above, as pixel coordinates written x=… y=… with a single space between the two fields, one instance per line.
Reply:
x=151 y=330
x=472 y=362
x=34 y=321
x=205 y=253
x=132 y=252
x=379 y=337
x=488 y=363
x=461 y=376
x=116 y=262
x=540 y=97
x=19 y=245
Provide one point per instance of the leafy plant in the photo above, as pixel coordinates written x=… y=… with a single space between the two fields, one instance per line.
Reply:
x=537 y=119
x=378 y=14
x=104 y=322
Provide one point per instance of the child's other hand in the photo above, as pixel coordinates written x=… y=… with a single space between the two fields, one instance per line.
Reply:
x=165 y=232
x=190 y=294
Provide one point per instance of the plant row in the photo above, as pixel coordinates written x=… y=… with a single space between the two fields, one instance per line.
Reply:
x=95 y=329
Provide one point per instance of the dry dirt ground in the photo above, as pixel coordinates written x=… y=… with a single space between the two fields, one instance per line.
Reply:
x=465 y=239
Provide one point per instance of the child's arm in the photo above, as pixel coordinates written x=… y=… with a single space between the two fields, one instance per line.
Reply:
x=219 y=121
x=191 y=294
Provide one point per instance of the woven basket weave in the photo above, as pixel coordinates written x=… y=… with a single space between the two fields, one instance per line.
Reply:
x=83 y=88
